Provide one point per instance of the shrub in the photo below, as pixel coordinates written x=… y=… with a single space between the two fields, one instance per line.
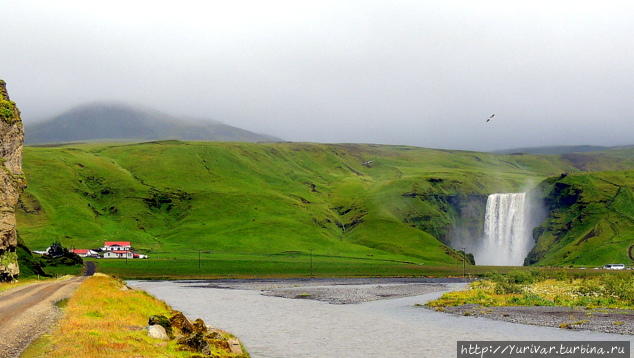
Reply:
x=530 y=299
x=505 y=288
x=621 y=286
x=7 y=110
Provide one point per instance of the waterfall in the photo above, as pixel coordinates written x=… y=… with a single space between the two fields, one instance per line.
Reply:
x=507 y=234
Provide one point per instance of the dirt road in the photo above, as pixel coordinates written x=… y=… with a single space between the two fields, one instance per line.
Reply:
x=28 y=311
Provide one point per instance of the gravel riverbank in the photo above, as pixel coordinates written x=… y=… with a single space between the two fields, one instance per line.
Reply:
x=339 y=291
x=598 y=320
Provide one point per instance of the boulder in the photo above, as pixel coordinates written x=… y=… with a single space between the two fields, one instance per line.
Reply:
x=220 y=344
x=161 y=321
x=157 y=331
x=234 y=346
x=195 y=342
x=199 y=326
x=180 y=322
x=214 y=334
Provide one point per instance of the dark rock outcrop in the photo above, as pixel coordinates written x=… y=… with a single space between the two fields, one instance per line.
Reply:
x=11 y=182
x=180 y=322
x=197 y=337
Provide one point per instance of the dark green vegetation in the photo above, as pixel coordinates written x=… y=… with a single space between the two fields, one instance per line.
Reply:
x=46 y=266
x=112 y=121
x=255 y=200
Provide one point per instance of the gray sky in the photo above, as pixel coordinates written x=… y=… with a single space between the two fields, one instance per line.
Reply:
x=424 y=73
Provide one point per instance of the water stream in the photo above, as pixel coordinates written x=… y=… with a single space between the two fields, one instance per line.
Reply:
x=280 y=327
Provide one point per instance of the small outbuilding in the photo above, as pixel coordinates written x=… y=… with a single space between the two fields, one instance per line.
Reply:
x=85 y=252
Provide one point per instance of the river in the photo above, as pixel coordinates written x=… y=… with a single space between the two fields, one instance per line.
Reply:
x=279 y=327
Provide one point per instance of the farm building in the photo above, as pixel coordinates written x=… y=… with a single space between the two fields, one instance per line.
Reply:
x=117 y=246
x=120 y=250
x=85 y=252
x=119 y=254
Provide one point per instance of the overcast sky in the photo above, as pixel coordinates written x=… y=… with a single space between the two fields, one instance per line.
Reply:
x=424 y=73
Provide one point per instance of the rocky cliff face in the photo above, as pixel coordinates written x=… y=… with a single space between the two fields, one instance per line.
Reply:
x=11 y=181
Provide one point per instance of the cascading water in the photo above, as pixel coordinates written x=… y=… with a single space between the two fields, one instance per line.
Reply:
x=507 y=232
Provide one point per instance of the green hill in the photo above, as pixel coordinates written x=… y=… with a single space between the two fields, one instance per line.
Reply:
x=560 y=149
x=373 y=201
x=591 y=219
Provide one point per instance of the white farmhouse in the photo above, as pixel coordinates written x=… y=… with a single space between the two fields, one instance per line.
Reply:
x=120 y=250
x=118 y=254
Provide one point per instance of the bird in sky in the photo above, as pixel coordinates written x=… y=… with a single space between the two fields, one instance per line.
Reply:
x=490 y=117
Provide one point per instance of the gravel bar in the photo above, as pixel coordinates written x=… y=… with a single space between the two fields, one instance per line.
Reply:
x=599 y=320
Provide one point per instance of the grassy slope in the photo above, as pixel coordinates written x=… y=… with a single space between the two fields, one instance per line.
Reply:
x=593 y=222
x=174 y=198
x=103 y=319
x=256 y=198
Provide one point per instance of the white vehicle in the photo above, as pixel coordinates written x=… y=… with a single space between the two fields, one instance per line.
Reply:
x=614 y=267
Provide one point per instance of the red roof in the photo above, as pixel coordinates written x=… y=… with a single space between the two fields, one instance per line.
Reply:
x=117 y=243
x=80 y=251
x=119 y=251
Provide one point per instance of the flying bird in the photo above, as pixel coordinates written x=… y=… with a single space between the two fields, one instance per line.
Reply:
x=490 y=117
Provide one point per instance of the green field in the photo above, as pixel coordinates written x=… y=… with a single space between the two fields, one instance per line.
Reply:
x=275 y=198
x=274 y=265
x=214 y=266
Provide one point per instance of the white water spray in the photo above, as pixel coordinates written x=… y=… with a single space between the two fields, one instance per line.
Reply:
x=507 y=234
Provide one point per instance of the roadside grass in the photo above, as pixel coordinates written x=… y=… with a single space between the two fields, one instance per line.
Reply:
x=4 y=286
x=105 y=319
x=543 y=288
x=9 y=285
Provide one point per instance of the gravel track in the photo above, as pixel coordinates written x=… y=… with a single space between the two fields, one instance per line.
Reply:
x=29 y=311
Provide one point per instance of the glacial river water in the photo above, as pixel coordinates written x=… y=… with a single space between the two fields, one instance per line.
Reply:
x=281 y=327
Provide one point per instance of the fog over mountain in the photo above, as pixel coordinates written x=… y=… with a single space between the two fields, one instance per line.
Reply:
x=425 y=73
x=118 y=121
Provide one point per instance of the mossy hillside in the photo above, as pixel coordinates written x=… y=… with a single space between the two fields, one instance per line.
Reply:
x=259 y=198
x=179 y=197
x=591 y=219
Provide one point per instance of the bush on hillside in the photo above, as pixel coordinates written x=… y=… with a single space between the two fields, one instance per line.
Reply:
x=59 y=255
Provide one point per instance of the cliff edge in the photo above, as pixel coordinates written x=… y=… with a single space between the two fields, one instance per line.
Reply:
x=11 y=181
